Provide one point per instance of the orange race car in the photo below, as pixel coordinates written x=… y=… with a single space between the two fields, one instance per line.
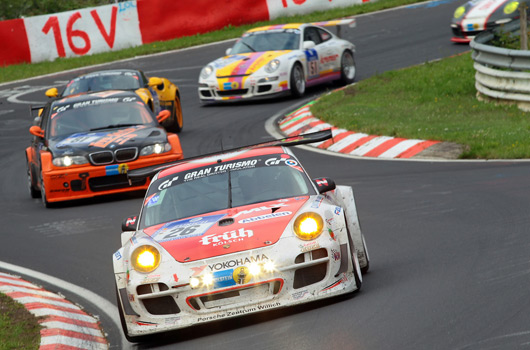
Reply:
x=157 y=93
x=84 y=145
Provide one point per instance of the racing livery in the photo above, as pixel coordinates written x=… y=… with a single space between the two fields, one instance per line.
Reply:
x=476 y=16
x=234 y=233
x=279 y=59
x=157 y=93
x=84 y=145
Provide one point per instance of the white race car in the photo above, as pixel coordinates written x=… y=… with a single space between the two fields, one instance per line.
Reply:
x=235 y=233
x=476 y=16
x=271 y=60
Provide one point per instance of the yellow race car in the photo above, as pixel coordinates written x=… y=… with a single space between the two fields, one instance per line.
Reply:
x=157 y=93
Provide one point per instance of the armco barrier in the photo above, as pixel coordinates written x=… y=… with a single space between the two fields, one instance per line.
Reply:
x=132 y=23
x=499 y=73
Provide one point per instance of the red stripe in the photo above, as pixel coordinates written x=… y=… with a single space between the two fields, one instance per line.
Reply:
x=58 y=347
x=335 y=138
x=19 y=286
x=35 y=306
x=17 y=295
x=382 y=148
x=50 y=332
x=299 y=121
x=416 y=149
x=305 y=128
x=15 y=46
x=357 y=143
x=53 y=318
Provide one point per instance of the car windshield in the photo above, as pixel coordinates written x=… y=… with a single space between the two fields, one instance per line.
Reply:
x=213 y=188
x=102 y=82
x=97 y=117
x=268 y=41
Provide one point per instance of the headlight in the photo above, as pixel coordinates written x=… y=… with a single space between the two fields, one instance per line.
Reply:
x=511 y=7
x=459 y=11
x=145 y=258
x=157 y=148
x=206 y=71
x=272 y=66
x=69 y=160
x=308 y=226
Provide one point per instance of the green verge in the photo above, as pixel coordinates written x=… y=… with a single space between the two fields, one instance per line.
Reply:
x=19 y=329
x=21 y=71
x=432 y=101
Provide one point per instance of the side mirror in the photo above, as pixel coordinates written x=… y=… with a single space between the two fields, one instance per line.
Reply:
x=228 y=51
x=53 y=92
x=129 y=224
x=324 y=184
x=36 y=130
x=154 y=81
x=309 y=45
x=163 y=115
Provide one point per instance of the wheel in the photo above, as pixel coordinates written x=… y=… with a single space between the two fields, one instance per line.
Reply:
x=43 y=193
x=33 y=191
x=177 y=119
x=132 y=339
x=297 y=81
x=347 y=68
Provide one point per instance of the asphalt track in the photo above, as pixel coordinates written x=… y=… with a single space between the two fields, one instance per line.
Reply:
x=448 y=241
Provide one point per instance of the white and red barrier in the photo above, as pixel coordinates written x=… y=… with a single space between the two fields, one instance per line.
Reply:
x=133 y=23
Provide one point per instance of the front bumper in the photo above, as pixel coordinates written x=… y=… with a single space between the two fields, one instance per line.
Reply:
x=221 y=90
x=164 y=300
x=89 y=181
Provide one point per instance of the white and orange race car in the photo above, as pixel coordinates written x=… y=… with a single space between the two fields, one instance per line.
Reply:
x=235 y=233
x=277 y=59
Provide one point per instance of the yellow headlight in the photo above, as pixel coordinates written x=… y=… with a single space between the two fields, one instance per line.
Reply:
x=308 y=226
x=459 y=11
x=511 y=7
x=145 y=258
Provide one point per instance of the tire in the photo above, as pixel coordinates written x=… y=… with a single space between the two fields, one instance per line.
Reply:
x=132 y=339
x=43 y=194
x=297 y=81
x=177 y=118
x=347 y=68
x=33 y=191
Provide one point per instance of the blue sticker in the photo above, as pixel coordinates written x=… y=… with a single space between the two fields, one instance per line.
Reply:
x=227 y=86
x=222 y=279
x=186 y=228
x=112 y=170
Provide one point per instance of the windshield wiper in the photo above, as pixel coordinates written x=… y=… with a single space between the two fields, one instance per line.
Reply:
x=247 y=45
x=229 y=188
x=114 y=126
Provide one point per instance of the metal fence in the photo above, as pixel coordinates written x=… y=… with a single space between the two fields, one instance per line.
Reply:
x=500 y=73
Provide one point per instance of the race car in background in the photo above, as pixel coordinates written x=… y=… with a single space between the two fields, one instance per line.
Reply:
x=157 y=93
x=476 y=16
x=84 y=145
x=278 y=59
x=234 y=233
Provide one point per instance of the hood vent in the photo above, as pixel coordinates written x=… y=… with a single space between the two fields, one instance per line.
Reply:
x=226 y=222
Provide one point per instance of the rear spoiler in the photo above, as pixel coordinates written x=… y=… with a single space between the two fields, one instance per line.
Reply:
x=350 y=22
x=32 y=110
x=318 y=136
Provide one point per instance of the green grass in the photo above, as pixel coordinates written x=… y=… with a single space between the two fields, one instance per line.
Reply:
x=21 y=71
x=434 y=101
x=19 y=329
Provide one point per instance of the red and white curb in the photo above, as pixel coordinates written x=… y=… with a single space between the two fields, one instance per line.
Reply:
x=302 y=121
x=65 y=325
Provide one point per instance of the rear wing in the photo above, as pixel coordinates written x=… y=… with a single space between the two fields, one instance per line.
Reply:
x=318 y=136
x=350 y=22
x=34 y=111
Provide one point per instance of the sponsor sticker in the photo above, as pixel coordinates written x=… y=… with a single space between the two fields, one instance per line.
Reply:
x=186 y=228
x=265 y=217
